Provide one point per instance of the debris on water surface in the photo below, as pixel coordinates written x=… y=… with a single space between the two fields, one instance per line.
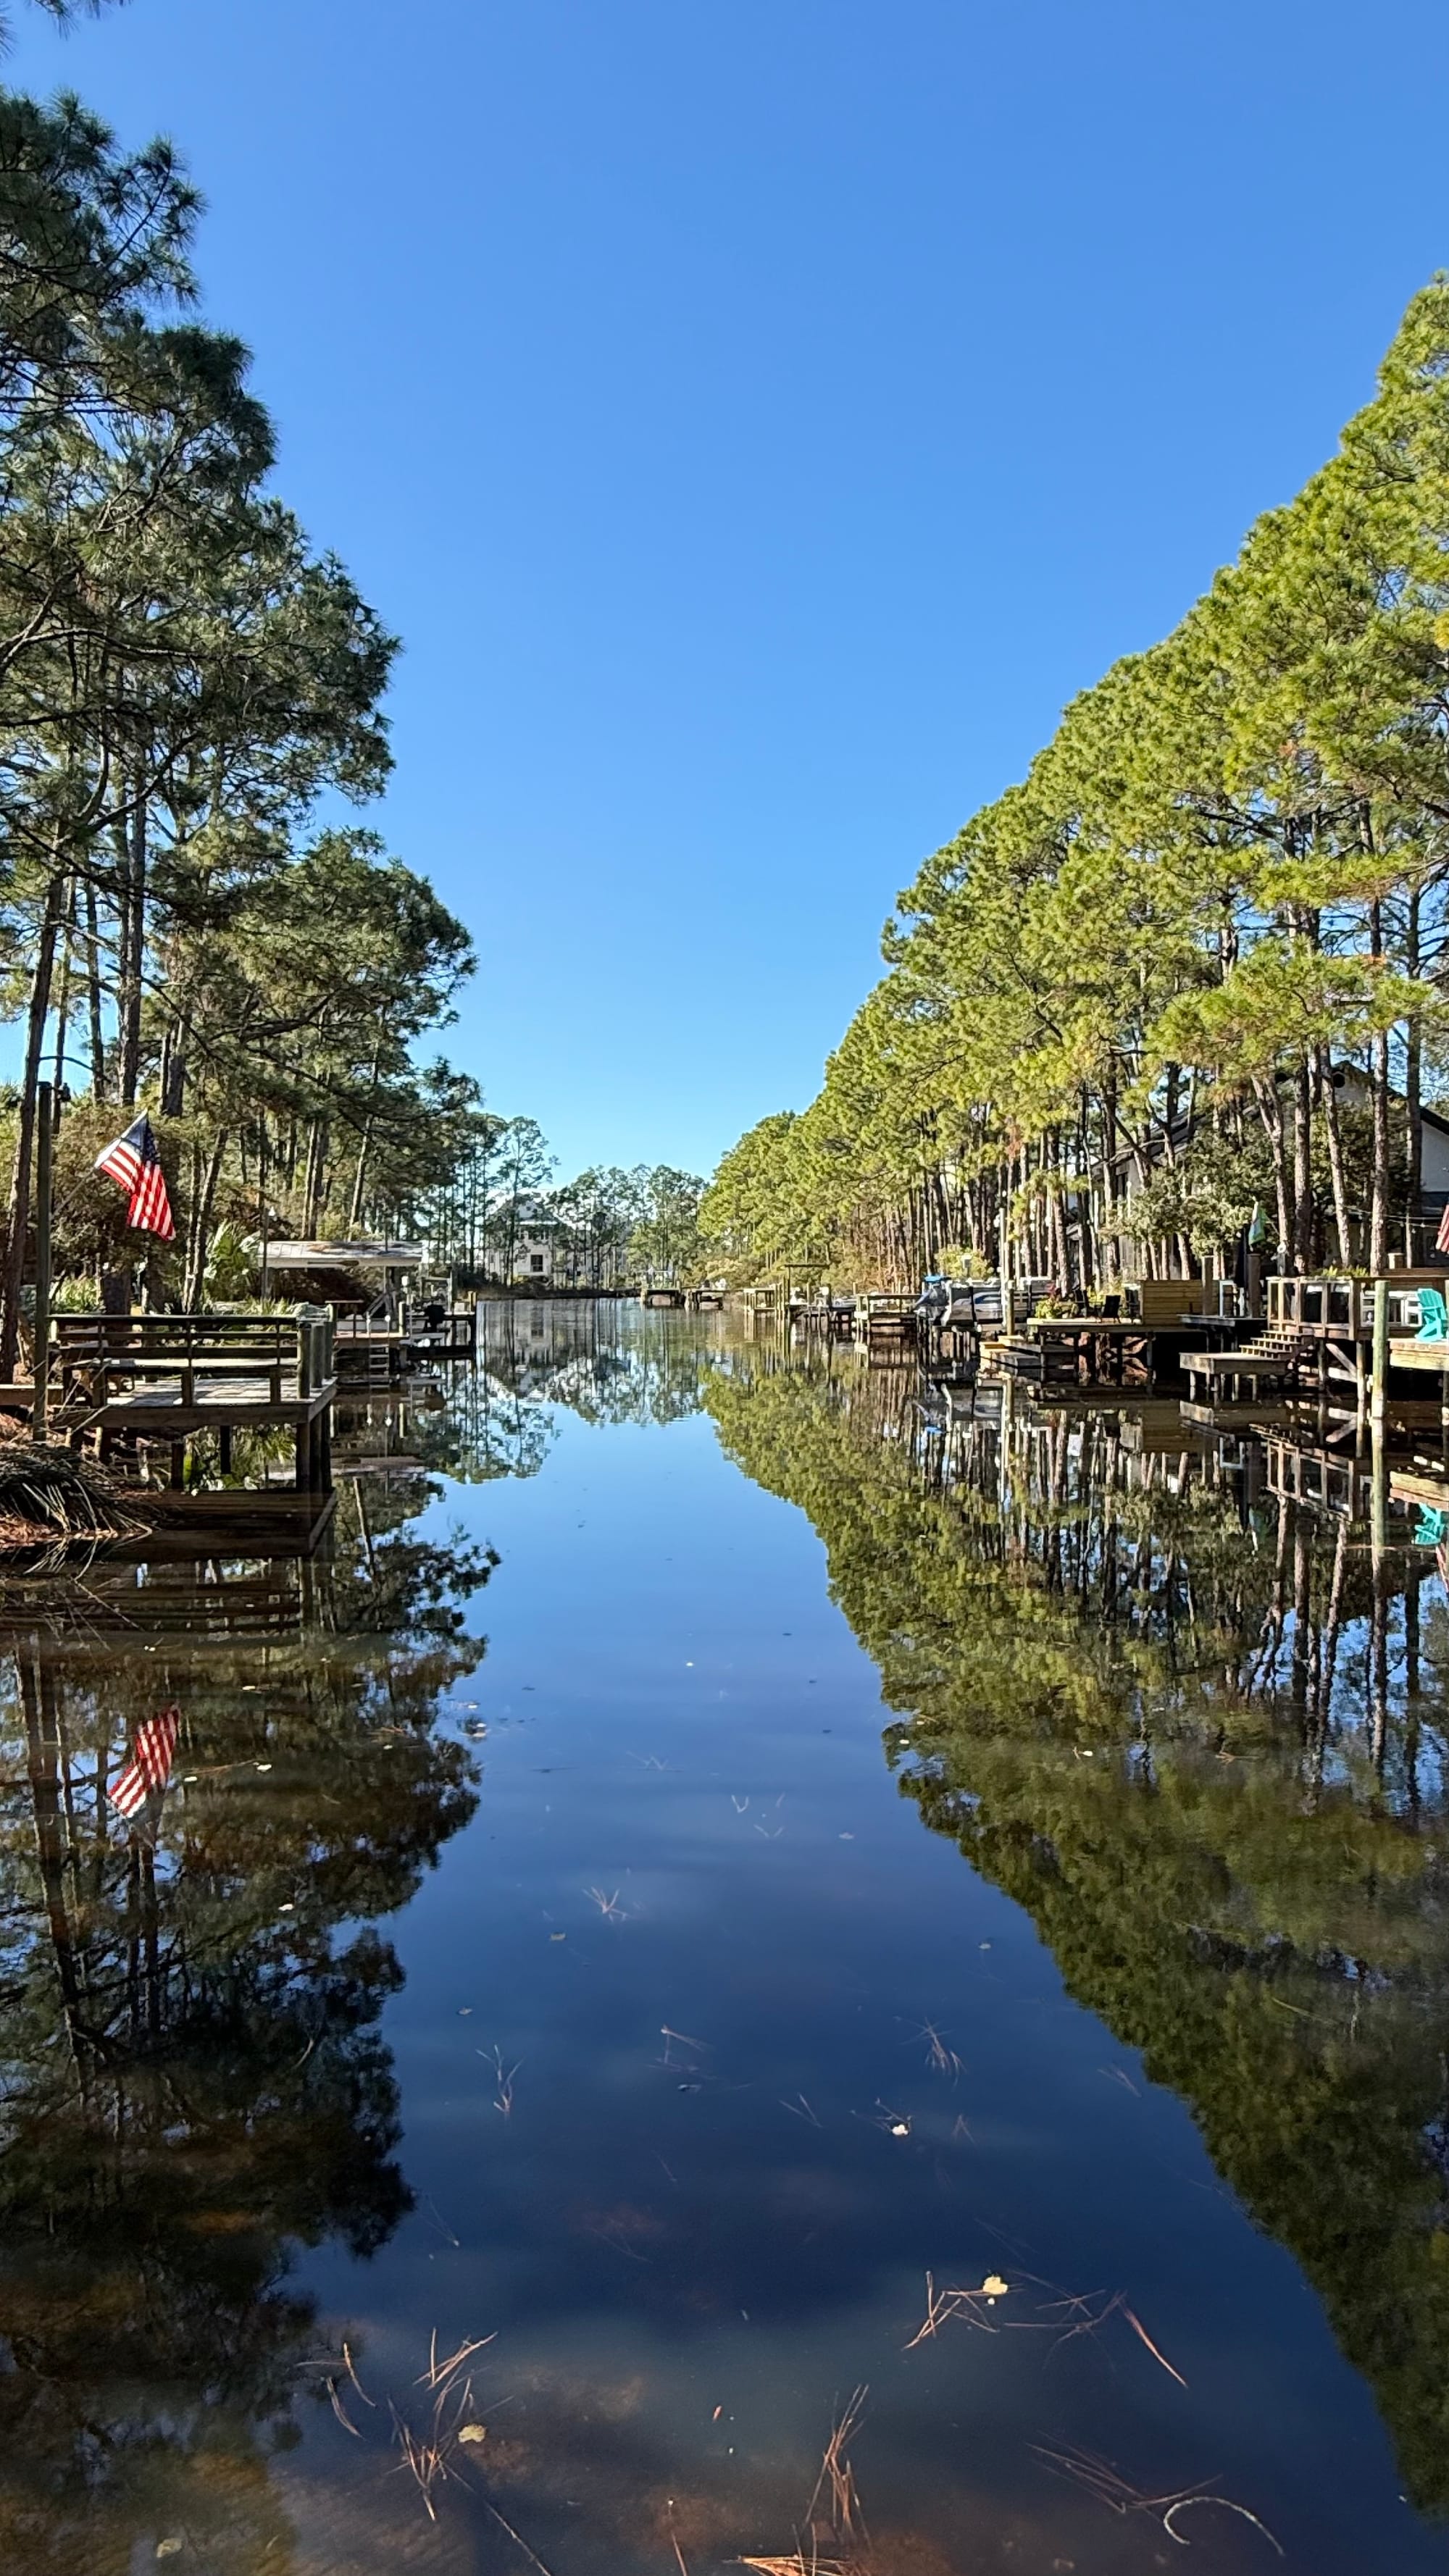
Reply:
x=1104 y=2480
x=472 y=2432
x=993 y=2287
x=170 y=2548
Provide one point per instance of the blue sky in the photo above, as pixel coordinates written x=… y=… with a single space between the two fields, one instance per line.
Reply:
x=758 y=419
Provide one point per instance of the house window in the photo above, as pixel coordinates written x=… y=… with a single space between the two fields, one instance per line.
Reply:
x=535 y=1261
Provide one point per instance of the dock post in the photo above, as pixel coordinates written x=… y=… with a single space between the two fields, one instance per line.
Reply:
x=1379 y=1376
x=44 y=1170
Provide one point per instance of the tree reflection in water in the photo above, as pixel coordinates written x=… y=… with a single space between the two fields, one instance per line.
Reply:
x=1199 y=1734
x=194 y=2081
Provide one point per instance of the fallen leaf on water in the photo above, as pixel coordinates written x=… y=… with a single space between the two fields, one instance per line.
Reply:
x=993 y=2287
x=170 y=2548
x=473 y=2433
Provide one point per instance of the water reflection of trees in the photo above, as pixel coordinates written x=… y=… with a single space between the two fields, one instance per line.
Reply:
x=1199 y=1735
x=601 y=1359
x=194 y=2080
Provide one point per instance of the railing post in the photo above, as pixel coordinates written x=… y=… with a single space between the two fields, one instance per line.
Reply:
x=1379 y=1380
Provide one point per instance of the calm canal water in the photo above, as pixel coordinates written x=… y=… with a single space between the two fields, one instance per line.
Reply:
x=776 y=1905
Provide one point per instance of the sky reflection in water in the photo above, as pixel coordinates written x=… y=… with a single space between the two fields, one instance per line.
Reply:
x=610 y=1993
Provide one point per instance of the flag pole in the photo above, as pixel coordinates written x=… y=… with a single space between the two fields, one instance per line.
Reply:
x=44 y=1184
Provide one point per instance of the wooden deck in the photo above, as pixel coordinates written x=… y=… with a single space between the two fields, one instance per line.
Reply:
x=125 y=1379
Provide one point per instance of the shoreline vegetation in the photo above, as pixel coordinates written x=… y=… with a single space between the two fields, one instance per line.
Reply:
x=1192 y=968
x=191 y=695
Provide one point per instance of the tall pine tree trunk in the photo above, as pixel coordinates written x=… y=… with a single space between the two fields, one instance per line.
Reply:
x=133 y=951
x=93 y=995
x=19 y=1213
x=1270 y=1110
x=1378 y=1249
x=1303 y=1208
x=1334 y=1133
x=1413 y=1086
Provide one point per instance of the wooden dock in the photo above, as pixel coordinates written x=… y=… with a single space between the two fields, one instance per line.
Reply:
x=129 y=1380
x=1334 y=1340
x=373 y=1350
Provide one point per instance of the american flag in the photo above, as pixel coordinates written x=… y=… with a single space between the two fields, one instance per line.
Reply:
x=150 y=1764
x=134 y=1163
x=1441 y=1239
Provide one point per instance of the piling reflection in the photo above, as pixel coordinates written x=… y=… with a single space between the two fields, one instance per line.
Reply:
x=1198 y=1731
x=194 y=2082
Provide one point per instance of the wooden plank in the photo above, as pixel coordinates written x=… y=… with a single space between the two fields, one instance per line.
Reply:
x=1432 y=1357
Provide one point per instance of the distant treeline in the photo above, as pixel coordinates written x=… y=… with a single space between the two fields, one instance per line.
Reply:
x=604 y=1229
x=1195 y=962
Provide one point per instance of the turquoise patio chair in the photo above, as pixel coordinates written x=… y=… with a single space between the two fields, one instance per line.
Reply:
x=1433 y=1316
x=1432 y=1528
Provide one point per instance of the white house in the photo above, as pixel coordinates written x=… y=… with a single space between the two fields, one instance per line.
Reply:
x=521 y=1246
x=533 y=1255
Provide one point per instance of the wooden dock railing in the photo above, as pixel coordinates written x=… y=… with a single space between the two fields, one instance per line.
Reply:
x=1344 y=1307
x=94 y=1358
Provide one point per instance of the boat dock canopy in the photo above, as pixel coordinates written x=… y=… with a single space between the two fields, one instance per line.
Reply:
x=363 y=1253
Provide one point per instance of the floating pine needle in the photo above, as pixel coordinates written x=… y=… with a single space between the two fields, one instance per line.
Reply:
x=503 y=2098
x=938 y=2308
x=1184 y=2502
x=836 y=2473
x=1138 y=2328
x=438 y=2373
x=343 y=2418
x=516 y=2537
x=801 y=2109
x=797 y=2564
x=424 y=2456
x=894 y=2123
x=1103 y=2479
x=608 y=1906
x=941 y=2059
